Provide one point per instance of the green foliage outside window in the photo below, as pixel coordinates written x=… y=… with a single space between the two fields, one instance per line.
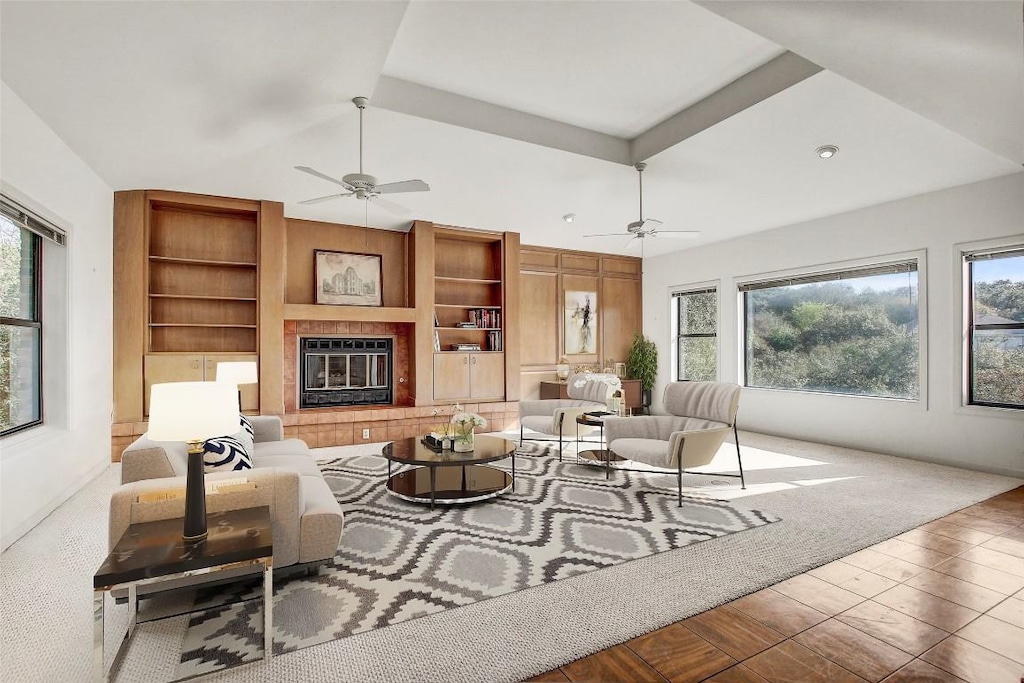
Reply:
x=854 y=336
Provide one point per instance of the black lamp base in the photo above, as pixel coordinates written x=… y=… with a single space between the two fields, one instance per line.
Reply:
x=195 y=496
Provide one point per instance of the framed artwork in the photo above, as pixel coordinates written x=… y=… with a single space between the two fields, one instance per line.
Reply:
x=344 y=279
x=580 y=323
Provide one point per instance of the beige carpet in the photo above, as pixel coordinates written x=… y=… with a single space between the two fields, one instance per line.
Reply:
x=832 y=501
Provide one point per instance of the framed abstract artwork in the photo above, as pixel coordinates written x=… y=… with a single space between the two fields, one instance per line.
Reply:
x=344 y=279
x=580 y=323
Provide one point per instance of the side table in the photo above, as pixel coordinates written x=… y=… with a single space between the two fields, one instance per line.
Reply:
x=154 y=552
x=598 y=456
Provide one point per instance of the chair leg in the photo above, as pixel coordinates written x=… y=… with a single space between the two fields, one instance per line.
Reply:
x=679 y=481
x=520 y=434
x=559 y=444
x=736 y=437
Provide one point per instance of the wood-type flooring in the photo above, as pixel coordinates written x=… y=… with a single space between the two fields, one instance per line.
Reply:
x=942 y=603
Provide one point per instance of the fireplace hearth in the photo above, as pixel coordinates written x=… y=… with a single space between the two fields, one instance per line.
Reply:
x=345 y=371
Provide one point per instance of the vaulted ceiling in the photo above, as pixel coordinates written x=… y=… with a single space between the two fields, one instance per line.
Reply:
x=519 y=112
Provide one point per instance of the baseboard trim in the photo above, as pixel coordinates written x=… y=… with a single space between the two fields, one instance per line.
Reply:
x=12 y=537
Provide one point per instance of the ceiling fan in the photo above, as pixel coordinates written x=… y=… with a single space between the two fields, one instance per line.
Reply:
x=362 y=185
x=646 y=227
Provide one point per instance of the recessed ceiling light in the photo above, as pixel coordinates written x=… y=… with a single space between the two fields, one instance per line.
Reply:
x=569 y=217
x=826 y=151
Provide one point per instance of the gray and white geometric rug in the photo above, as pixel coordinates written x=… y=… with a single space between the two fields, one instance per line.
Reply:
x=398 y=560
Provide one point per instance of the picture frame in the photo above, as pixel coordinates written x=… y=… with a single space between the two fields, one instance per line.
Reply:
x=347 y=279
x=580 y=323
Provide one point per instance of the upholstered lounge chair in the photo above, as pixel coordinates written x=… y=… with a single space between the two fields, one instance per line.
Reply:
x=701 y=416
x=555 y=418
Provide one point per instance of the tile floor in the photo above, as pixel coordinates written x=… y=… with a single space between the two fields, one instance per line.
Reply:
x=943 y=603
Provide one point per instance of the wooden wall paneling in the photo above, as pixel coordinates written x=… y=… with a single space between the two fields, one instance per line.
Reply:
x=620 y=314
x=575 y=261
x=304 y=237
x=538 y=257
x=581 y=283
x=531 y=383
x=539 y=307
x=272 y=256
x=129 y=304
x=512 y=336
x=621 y=266
x=421 y=272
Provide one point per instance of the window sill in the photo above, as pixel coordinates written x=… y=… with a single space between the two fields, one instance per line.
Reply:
x=911 y=403
x=990 y=411
x=27 y=436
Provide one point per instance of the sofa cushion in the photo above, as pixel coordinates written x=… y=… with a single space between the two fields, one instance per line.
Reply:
x=539 y=423
x=303 y=464
x=285 y=447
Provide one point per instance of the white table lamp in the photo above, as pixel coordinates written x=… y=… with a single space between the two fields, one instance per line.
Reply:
x=237 y=372
x=193 y=412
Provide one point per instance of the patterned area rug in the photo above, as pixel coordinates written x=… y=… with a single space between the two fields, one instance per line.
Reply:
x=398 y=560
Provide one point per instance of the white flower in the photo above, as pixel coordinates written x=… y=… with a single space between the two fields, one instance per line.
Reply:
x=468 y=421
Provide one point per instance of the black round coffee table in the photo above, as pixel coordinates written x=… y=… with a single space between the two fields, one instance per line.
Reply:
x=448 y=477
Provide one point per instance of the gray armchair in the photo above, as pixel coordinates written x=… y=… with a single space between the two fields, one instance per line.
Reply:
x=555 y=418
x=701 y=416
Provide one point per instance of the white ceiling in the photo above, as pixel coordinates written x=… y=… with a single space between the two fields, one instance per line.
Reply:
x=614 y=67
x=225 y=98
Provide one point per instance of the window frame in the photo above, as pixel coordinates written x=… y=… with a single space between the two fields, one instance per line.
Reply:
x=37 y=323
x=966 y=269
x=822 y=269
x=697 y=288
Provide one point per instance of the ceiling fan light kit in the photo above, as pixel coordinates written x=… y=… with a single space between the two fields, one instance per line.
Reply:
x=363 y=185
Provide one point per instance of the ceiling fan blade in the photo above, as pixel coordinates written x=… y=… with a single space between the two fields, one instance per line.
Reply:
x=403 y=186
x=390 y=206
x=607 y=234
x=318 y=174
x=327 y=198
x=677 y=233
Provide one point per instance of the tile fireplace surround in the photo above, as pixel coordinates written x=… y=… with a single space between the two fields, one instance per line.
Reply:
x=320 y=427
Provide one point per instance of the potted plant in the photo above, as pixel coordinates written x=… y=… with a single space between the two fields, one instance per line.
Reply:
x=642 y=364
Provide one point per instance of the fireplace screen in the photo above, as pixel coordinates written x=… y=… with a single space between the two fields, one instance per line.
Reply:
x=339 y=372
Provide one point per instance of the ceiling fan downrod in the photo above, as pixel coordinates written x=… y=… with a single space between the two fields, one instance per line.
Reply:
x=640 y=166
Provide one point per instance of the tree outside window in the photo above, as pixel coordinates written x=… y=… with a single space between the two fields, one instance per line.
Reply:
x=996 y=282
x=20 y=328
x=696 y=337
x=852 y=332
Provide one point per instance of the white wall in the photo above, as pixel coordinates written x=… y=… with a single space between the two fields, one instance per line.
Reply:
x=42 y=467
x=938 y=428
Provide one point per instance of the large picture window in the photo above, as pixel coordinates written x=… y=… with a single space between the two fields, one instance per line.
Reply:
x=996 y=327
x=696 y=336
x=20 y=328
x=849 y=332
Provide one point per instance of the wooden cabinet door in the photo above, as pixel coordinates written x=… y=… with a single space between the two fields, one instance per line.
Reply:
x=487 y=375
x=170 y=367
x=451 y=376
x=250 y=392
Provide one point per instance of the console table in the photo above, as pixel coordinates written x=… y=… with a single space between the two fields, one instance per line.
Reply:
x=154 y=552
x=631 y=396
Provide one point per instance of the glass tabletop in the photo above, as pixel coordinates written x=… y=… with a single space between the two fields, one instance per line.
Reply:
x=412 y=452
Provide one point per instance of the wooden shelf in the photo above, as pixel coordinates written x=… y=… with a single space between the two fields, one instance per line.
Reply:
x=375 y=314
x=467 y=280
x=202 y=297
x=465 y=351
x=203 y=262
x=491 y=308
x=248 y=327
x=454 y=327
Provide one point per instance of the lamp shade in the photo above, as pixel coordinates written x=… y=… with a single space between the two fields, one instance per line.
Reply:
x=242 y=372
x=192 y=411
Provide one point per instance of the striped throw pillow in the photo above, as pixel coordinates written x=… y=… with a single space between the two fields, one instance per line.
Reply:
x=223 y=453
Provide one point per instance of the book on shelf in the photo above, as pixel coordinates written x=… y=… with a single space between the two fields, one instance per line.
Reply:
x=485 y=317
x=494 y=340
x=437 y=341
x=465 y=347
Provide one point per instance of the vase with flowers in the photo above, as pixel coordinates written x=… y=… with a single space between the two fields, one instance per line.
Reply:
x=464 y=425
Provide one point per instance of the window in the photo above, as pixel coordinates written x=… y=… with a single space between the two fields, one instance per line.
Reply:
x=996 y=327
x=696 y=322
x=21 y=328
x=849 y=332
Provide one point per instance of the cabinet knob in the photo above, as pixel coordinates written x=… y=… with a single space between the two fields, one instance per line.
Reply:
x=465 y=360
x=473 y=360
